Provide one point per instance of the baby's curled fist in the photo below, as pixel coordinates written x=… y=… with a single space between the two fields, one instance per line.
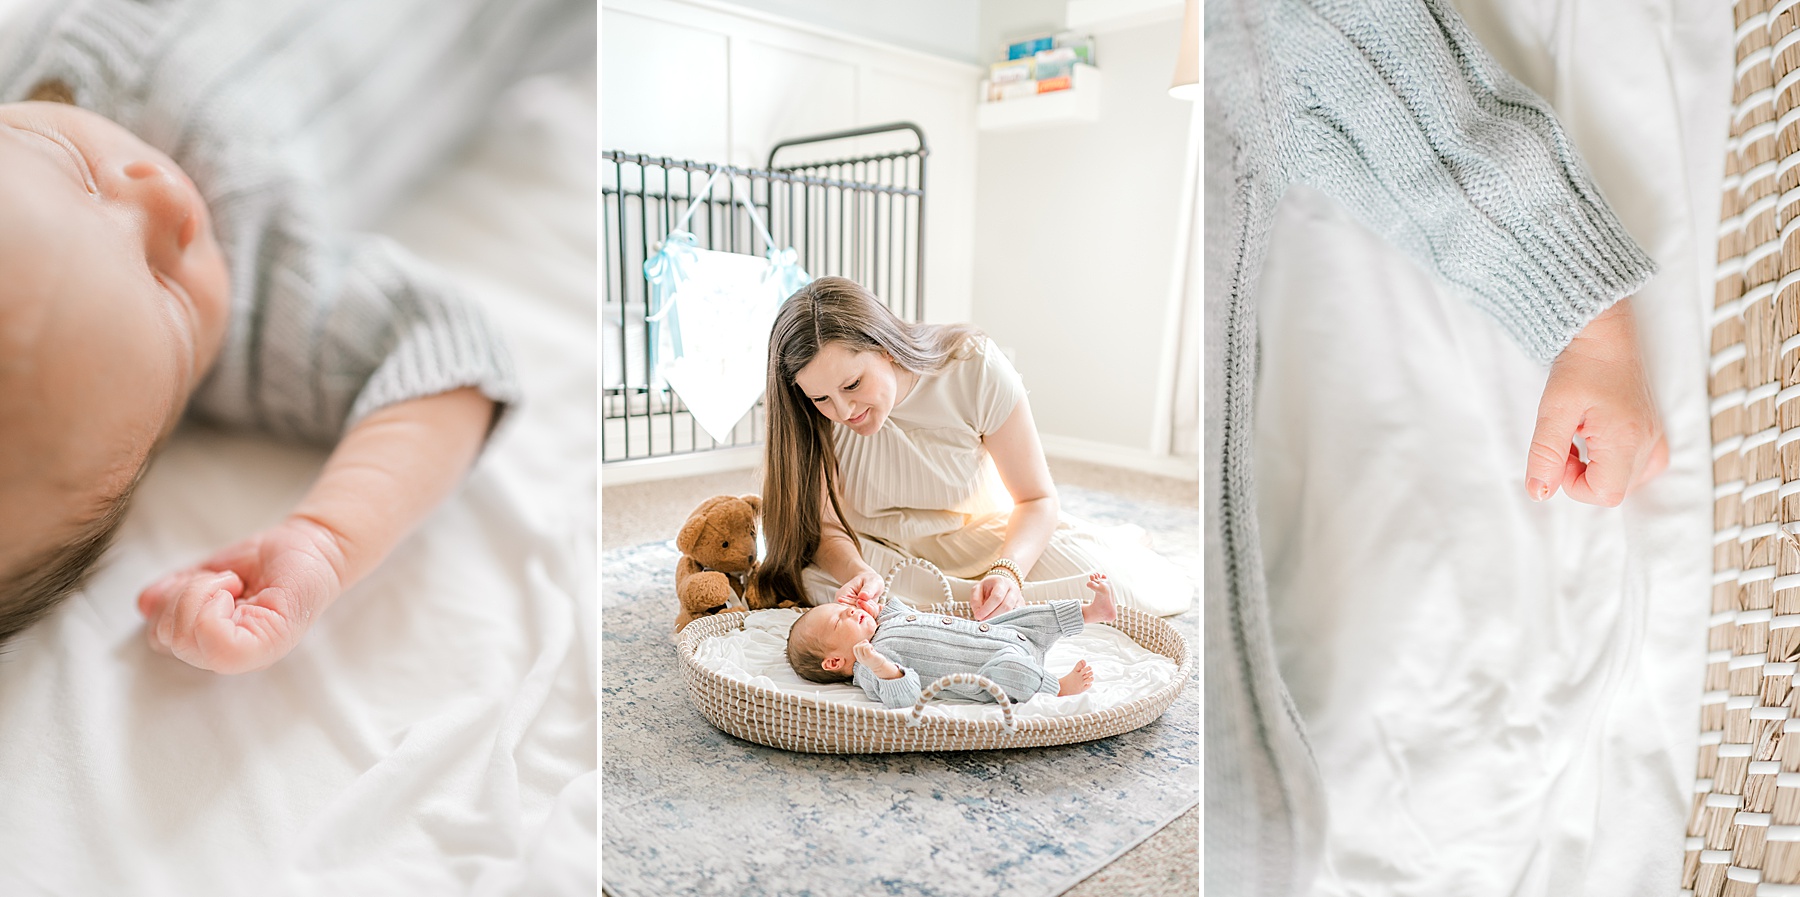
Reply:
x=877 y=662
x=247 y=606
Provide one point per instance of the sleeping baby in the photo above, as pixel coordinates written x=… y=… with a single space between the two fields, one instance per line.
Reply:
x=183 y=185
x=890 y=650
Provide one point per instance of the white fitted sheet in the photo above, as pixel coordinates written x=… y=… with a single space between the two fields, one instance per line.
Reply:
x=1123 y=670
x=435 y=732
x=1503 y=696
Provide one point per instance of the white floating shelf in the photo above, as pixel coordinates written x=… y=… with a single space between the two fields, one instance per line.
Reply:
x=1080 y=103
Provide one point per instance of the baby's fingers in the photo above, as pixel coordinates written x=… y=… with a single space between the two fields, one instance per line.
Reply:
x=1550 y=441
x=1613 y=466
x=239 y=638
x=170 y=607
x=163 y=592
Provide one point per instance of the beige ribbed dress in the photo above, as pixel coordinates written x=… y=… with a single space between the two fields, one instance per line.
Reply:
x=924 y=486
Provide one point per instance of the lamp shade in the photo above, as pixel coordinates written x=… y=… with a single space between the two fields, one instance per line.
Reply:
x=1186 y=85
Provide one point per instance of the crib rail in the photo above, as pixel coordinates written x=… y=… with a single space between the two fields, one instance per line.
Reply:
x=844 y=209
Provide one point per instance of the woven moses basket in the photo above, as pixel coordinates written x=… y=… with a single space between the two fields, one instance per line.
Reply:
x=802 y=723
x=1744 y=831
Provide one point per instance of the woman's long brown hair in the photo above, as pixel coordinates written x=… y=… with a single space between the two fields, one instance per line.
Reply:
x=800 y=457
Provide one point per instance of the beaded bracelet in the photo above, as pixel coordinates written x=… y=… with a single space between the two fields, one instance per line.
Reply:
x=1010 y=569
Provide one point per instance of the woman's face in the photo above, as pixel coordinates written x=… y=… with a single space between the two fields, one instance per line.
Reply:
x=856 y=389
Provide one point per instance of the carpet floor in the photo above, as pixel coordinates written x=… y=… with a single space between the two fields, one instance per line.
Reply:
x=687 y=809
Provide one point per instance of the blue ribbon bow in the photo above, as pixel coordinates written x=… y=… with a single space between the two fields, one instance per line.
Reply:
x=665 y=271
x=784 y=268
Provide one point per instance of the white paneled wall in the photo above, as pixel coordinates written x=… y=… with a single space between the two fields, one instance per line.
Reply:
x=663 y=88
x=1079 y=226
x=710 y=81
x=940 y=27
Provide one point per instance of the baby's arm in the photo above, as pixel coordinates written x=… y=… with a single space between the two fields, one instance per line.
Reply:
x=884 y=680
x=246 y=607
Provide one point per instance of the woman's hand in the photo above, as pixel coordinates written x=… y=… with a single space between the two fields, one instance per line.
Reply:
x=245 y=607
x=1597 y=389
x=995 y=593
x=864 y=586
x=867 y=606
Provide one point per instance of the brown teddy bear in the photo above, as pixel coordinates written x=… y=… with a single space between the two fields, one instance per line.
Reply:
x=718 y=553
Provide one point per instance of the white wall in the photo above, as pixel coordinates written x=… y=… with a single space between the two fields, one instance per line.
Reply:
x=1060 y=242
x=1006 y=20
x=939 y=27
x=1075 y=244
x=711 y=81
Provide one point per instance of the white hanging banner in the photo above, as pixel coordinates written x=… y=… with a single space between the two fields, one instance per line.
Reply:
x=711 y=316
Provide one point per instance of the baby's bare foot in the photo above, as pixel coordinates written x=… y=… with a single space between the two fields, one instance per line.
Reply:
x=1077 y=681
x=1101 y=609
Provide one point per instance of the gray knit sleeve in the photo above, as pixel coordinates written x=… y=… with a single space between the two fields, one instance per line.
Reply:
x=336 y=329
x=1393 y=108
x=898 y=693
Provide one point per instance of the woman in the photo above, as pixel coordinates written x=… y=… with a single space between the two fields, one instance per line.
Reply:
x=880 y=439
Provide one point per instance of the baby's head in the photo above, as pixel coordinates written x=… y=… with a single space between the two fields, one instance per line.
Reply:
x=113 y=302
x=821 y=644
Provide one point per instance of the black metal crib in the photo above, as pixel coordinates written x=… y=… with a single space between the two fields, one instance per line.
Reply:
x=861 y=217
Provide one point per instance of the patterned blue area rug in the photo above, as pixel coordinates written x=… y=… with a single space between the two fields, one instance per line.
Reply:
x=689 y=810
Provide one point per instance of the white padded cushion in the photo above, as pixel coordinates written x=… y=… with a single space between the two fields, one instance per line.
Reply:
x=1123 y=669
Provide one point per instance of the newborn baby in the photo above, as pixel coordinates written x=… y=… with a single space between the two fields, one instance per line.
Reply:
x=181 y=184
x=890 y=651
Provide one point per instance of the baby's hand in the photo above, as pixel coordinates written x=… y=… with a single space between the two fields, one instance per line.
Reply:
x=247 y=606
x=882 y=667
x=1597 y=388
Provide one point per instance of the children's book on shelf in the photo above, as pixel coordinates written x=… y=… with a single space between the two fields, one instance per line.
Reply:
x=1041 y=63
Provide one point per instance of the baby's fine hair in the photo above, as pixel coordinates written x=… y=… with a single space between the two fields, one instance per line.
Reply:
x=807 y=659
x=45 y=579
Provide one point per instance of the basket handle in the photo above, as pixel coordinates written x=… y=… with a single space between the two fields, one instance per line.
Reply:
x=915 y=717
x=918 y=562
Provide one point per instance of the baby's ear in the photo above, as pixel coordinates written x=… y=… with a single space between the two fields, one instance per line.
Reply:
x=832 y=663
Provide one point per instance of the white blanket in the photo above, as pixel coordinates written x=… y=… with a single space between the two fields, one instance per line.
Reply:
x=1503 y=696
x=435 y=732
x=1123 y=670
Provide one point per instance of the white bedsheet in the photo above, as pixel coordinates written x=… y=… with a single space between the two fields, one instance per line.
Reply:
x=1503 y=696
x=1123 y=670
x=435 y=732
